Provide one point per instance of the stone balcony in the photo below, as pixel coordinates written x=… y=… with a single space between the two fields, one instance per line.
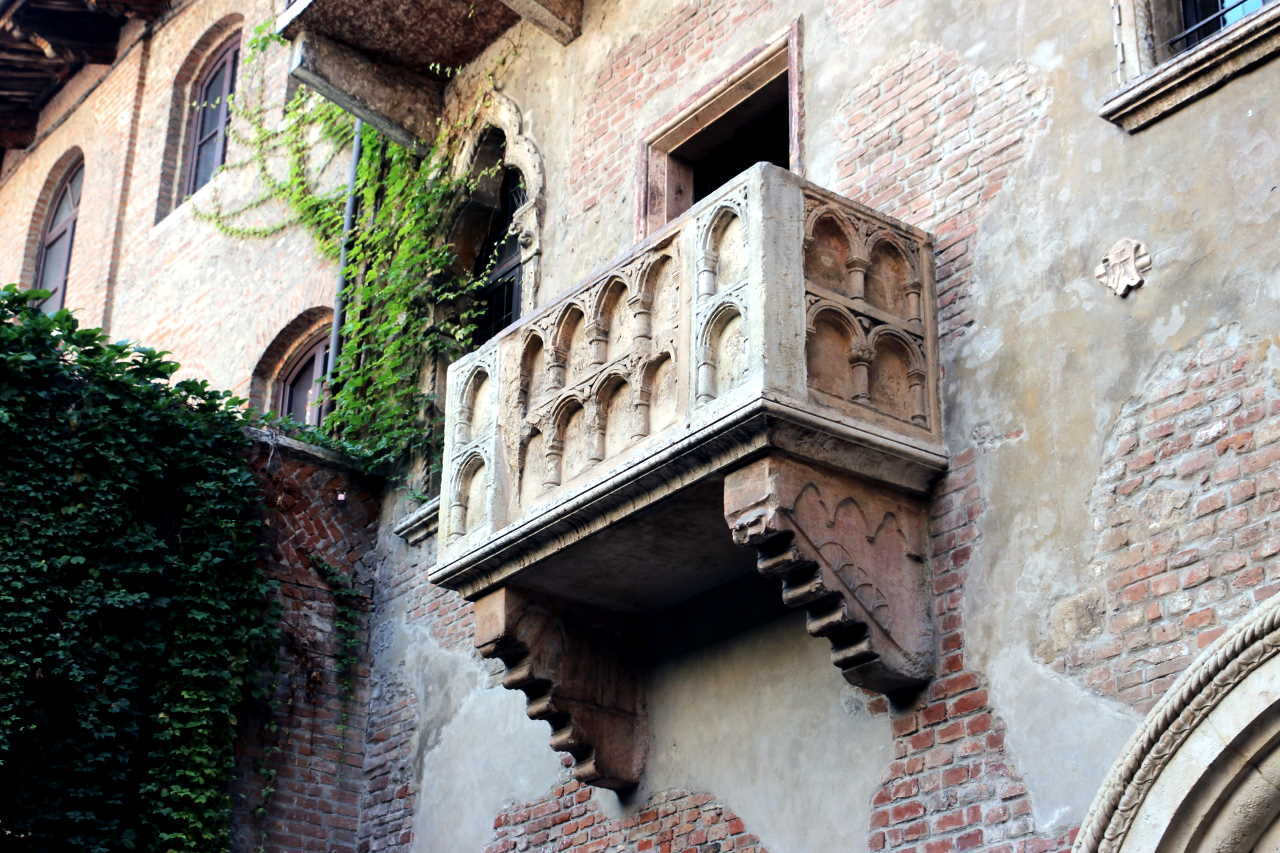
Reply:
x=761 y=372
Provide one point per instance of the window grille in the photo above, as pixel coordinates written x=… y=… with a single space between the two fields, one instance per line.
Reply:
x=499 y=260
x=1203 y=18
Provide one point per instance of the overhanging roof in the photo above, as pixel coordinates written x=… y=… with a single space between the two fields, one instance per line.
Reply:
x=44 y=42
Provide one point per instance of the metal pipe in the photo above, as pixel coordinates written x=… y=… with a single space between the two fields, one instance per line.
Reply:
x=348 y=222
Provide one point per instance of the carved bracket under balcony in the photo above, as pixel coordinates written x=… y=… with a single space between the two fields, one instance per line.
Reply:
x=851 y=554
x=574 y=679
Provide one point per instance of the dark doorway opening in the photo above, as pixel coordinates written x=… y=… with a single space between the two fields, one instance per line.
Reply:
x=756 y=130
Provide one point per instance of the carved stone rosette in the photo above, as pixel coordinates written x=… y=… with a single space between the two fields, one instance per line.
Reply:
x=574 y=679
x=849 y=553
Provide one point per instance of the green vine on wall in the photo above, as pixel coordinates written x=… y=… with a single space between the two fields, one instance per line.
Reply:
x=408 y=304
x=348 y=604
x=134 y=607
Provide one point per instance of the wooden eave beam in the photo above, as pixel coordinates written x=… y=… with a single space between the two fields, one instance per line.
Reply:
x=561 y=19
x=72 y=37
x=17 y=130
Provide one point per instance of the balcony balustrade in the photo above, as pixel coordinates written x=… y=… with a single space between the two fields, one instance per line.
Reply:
x=761 y=372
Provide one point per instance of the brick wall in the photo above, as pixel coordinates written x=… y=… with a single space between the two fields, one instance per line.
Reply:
x=671 y=822
x=953 y=784
x=931 y=140
x=1184 y=512
x=311 y=749
x=172 y=282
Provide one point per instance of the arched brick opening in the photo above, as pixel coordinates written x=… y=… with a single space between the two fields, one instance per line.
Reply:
x=172 y=162
x=299 y=333
x=69 y=160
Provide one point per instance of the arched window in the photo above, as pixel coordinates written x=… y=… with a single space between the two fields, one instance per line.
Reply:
x=483 y=235
x=499 y=259
x=207 y=123
x=299 y=389
x=56 y=240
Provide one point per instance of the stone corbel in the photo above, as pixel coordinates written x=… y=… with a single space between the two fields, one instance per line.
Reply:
x=851 y=554
x=574 y=679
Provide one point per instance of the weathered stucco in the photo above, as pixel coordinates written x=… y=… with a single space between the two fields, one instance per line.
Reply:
x=974 y=120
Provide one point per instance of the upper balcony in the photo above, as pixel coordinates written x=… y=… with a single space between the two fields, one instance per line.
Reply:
x=769 y=360
x=386 y=60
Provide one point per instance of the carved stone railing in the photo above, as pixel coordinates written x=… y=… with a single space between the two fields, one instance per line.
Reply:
x=768 y=360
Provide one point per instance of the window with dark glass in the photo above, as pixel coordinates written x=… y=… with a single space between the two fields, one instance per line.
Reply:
x=498 y=260
x=1203 y=18
x=209 y=114
x=299 y=396
x=57 y=239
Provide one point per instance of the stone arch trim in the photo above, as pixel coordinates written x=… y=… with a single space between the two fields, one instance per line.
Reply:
x=295 y=336
x=172 y=162
x=603 y=295
x=1228 y=662
x=857 y=248
x=909 y=346
x=498 y=111
x=62 y=167
x=840 y=316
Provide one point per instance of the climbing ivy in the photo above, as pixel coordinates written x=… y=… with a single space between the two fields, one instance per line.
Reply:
x=134 y=608
x=408 y=302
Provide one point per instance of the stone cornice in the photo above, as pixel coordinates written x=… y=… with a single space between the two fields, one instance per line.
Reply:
x=1195 y=72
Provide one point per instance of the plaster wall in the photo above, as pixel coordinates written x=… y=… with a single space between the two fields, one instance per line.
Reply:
x=1040 y=360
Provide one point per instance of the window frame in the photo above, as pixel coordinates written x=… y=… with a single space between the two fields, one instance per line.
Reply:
x=315 y=346
x=1155 y=82
x=53 y=231
x=226 y=57
x=666 y=185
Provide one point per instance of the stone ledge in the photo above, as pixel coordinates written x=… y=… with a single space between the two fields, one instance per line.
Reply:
x=300 y=449
x=420 y=524
x=1195 y=72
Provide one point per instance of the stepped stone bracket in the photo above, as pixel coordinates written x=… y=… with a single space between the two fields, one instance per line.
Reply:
x=851 y=554
x=574 y=679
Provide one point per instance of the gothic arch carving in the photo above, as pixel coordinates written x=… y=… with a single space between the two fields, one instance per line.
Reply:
x=1201 y=772
x=499 y=112
x=722 y=346
x=477 y=403
x=712 y=243
x=469 y=489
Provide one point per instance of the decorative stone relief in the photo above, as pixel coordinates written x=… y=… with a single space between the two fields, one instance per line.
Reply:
x=573 y=678
x=866 y=339
x=1123 y=266
x=1184 y=780
x=851 y=555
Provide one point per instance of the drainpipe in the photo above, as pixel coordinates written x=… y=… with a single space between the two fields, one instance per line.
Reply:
x=348 y=221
